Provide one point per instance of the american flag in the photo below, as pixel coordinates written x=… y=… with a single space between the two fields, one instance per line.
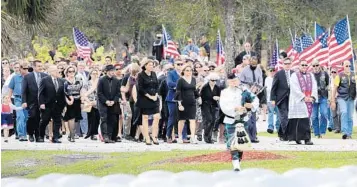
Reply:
x=275 y=56
x=318 y=50
x=83 y=46
x=319 y=30
x=220 y=51
x=297 y=49
x=340 y=44
x=169 y=46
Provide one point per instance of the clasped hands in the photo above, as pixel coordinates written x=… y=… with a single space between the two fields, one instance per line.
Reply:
x=308 y=99
x=109 y=103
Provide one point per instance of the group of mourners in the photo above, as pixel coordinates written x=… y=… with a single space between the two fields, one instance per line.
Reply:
x=176 y=100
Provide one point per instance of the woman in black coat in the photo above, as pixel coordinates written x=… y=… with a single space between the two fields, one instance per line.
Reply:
x=148 y=101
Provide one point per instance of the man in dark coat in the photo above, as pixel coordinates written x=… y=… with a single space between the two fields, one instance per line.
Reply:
x=247 y=51
x=158 y=48
x=108 y=92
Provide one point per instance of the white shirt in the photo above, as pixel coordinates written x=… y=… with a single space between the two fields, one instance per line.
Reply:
x=269 y=84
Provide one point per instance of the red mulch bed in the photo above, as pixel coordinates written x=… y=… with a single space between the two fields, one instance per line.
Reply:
x=226 y=157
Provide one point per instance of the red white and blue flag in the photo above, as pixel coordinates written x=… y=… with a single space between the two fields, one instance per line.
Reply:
x=83 y=46
x=220 y=51
x=169 y=46
x=275 y=57
x=340 y=44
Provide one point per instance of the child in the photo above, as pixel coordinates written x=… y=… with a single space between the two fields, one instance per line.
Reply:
x=7 y=121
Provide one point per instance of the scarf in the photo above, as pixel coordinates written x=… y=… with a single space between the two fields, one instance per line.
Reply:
x=306 y=88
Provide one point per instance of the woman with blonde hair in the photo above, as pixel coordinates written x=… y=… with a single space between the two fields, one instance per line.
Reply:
x=186 y=95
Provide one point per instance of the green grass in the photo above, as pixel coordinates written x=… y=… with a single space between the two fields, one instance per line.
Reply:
x=328 y=135
x=135 y=163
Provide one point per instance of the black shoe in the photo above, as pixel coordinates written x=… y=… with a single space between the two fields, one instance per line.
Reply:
x=118 y=139
x=47 y=137
x=16 y=137
x=236 y=170
x=31 y=138
x=329 y=129
x=154 y=141
x=199 y=137
x=283 y=139
x=106 y=140
x=55 y=141
x=298 y=142
x=255 y=141
x=94 y=138
x=64 y=133
x=6 y=141
x=22 y=139
x=270 y=131
x=308 y=142
x=111 y=141
x=337 y=131
x=344 y=136
x=40 y=140
x=208 y=141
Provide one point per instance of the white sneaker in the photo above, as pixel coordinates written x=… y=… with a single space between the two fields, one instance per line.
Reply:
x=193 y=140
x=236 y=165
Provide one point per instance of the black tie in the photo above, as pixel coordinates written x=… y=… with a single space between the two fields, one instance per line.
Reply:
x=56 y=84
x=253 y=76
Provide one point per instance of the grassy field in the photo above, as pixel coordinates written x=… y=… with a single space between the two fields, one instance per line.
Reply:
x=328 y=135
x=33 y=164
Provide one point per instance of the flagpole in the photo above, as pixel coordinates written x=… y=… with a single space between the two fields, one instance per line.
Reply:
x=349 y=33
x=163 y=36
x=315 y=31
x=292 y=37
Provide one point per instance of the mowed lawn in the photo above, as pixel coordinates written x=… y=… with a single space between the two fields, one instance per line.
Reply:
x=328 y=135
x=33 y=164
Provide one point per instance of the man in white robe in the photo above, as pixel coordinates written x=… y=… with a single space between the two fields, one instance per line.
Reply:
x=303 y=93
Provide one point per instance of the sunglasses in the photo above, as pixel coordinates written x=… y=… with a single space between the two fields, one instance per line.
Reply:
x=5 y=62
x=304 y=65
x=287 y=63
x=71 y=71
x=57 y=61
x=117 y=69
x=347 y=66
x=179 y=64
x=333 y=72
x=25 y=68
x=315 y=66
x=213 y=80
x=212 y=68
x=205 y=70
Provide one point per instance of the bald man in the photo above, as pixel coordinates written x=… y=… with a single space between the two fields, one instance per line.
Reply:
x=247 y=51
x=52 y=101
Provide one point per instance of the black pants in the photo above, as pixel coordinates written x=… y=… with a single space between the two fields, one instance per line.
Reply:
x=33 y=121
x=164 y=120
x=93 y=122
x=54 y=112
x=209 y=118
x=283 y=116
x=108 y=122
x=134 y=117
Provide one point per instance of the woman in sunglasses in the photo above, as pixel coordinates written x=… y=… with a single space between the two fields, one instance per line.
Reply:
x=72 y=89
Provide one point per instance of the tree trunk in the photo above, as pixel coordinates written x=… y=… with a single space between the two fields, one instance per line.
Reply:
x=229 y=10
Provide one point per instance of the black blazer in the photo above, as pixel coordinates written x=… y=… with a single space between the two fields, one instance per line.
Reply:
x=30 y=89
x=47 y=92
x=207 y=95
x=239 y=59
x=108 y=89
x=280 y=89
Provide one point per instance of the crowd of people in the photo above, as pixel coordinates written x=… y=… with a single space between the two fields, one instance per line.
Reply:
x=183 y=100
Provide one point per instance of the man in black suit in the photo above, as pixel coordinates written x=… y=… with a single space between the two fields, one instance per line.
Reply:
x=108 y=92
x=247 y=51
x=279 y=96
x=52 y=101
x=30 y=85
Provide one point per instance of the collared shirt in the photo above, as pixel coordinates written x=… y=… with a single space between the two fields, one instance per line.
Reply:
x=16 y=84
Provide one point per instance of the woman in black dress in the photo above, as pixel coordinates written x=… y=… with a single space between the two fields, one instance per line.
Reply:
x=148 y=102
x=72 y=90
x=186 y=95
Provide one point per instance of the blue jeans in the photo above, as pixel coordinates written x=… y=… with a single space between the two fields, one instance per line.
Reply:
x=84 y=123
x=320 y=116
x=346 y=111
x=21 y=118
x=271 y=111
x=330 y=119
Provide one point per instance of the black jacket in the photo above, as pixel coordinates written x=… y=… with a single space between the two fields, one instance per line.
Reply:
x=30 y=89
x=108 y=90
x=207 y=95
x=47 y=93
x=239 y=59
x=280 y=88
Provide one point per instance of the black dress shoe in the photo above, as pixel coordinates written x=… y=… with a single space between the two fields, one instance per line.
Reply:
x=209 y=141
x=199 y=137
x=16 y=137
x=106 y=140
x=23 y=139
x=337 y=131
x=236 y=170
x=31 y=138
x=298 y=142
x=47 y=137
x=308 y=142
x=111 y=141
x=56 y=141
x=344 y=136
x=40 y=140
x=329 y=129
x=255 y=141
x=270 y=131
x=94 y=138
x=118 y=139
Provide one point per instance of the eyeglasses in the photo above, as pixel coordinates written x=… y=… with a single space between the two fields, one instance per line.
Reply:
x=315 y=66
x=347 y=66
x=179 y=64
x=304 y=65
x=333 y=72
x=25 y=68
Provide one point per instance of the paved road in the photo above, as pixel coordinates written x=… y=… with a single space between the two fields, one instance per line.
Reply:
x=266 y=143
